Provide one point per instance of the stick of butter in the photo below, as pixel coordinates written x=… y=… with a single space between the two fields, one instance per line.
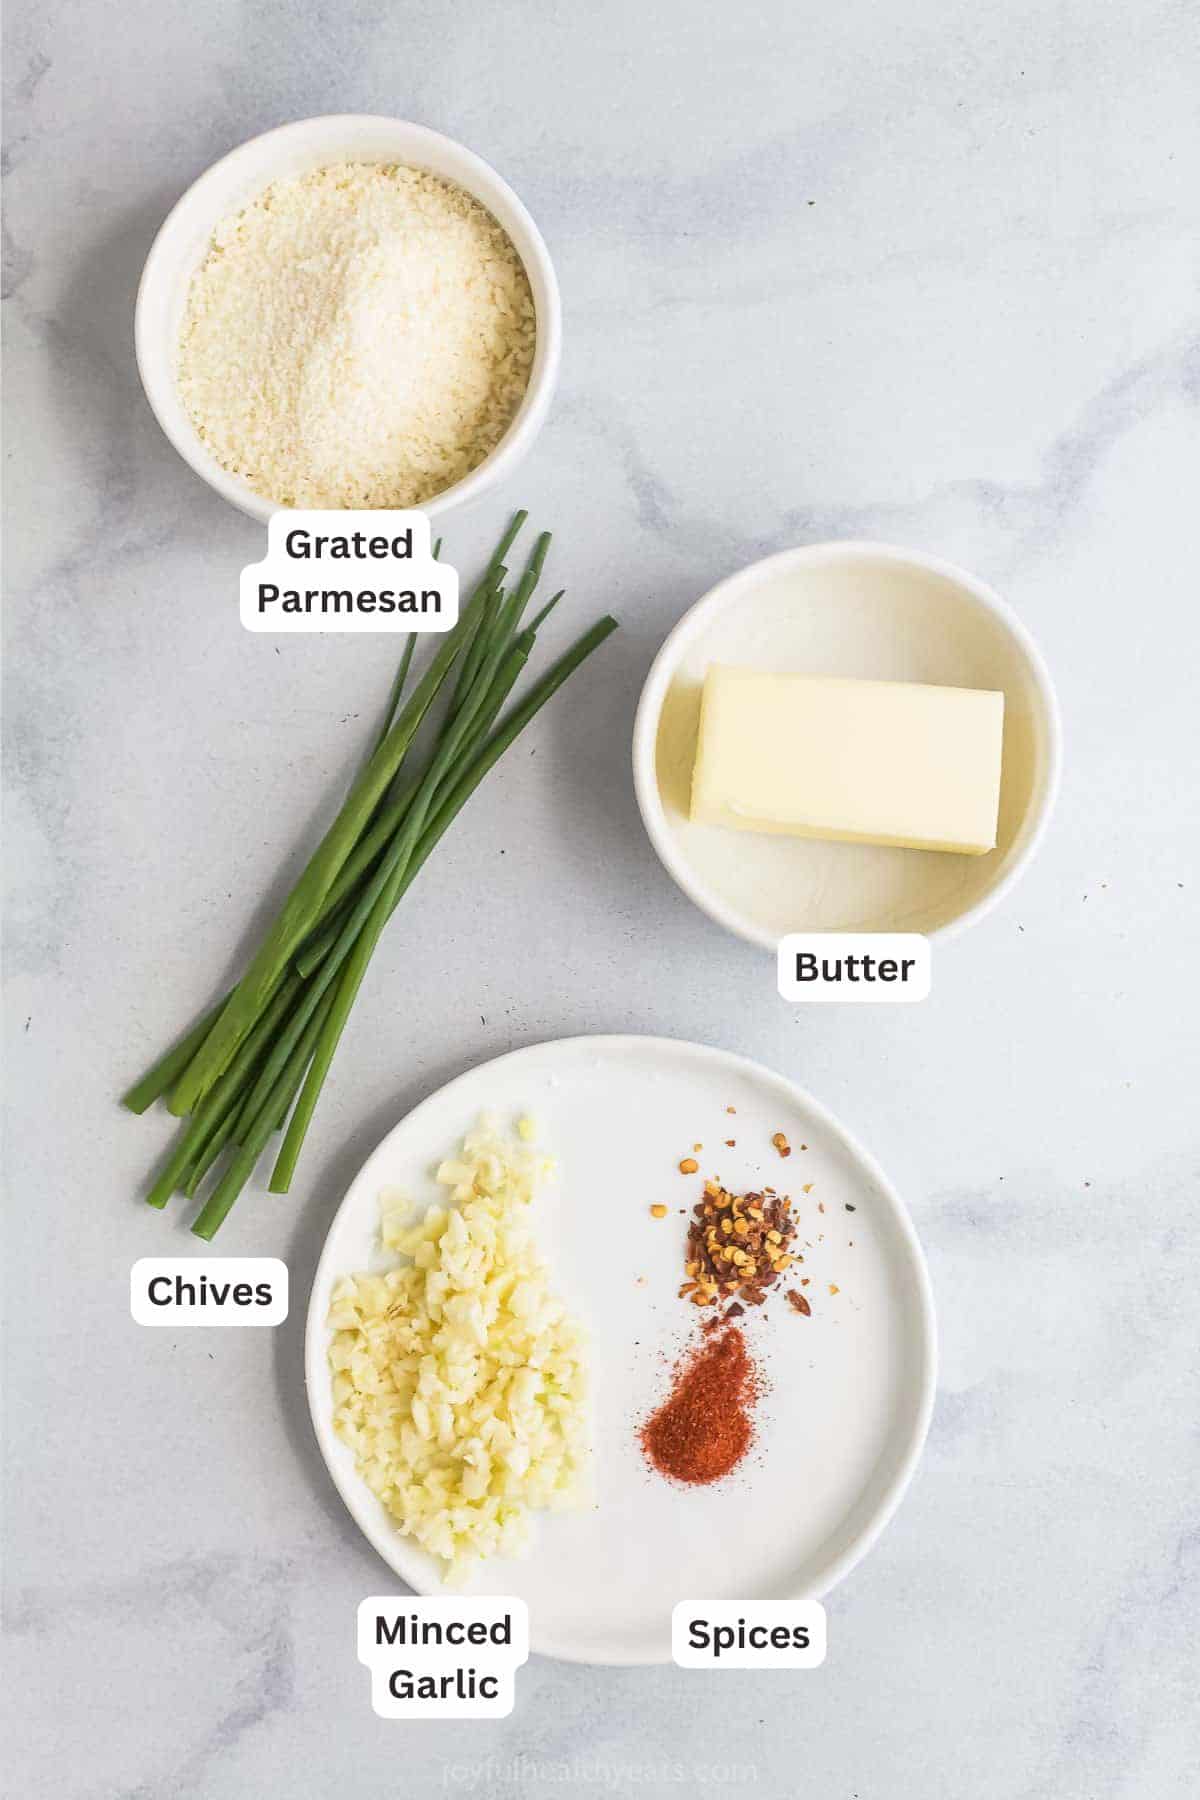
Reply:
x=871 y=762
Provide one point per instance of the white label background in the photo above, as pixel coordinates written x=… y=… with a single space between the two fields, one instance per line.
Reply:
x=355 y=573
x=767 y=1615
x=221 y=1270
x=498 y=1660
x=896 y=946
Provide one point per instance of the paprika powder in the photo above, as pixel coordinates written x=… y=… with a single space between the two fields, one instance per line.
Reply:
x=704 y=1426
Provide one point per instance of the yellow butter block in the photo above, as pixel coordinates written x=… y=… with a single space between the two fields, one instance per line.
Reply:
x=872 y=762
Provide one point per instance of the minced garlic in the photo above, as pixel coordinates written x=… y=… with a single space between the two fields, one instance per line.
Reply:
x=459 y=1379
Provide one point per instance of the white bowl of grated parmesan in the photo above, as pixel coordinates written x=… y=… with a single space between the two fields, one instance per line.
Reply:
x=349 y=311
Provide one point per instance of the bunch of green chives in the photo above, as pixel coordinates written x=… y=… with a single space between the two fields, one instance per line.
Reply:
x=258 y=1060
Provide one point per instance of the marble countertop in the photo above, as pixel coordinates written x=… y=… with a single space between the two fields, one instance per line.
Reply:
x=922 y=273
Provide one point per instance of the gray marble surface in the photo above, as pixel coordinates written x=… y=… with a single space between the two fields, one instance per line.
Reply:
x=924 y=273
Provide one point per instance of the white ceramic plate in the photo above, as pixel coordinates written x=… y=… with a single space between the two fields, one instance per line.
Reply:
x=851 y=1387
x=874 y=612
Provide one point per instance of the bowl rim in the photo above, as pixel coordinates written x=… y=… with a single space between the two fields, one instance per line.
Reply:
x=649 y=709
x=473 y=173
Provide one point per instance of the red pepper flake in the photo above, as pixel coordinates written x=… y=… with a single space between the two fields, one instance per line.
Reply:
x=799 y=1302
x=704 y=1428
x=738 y=1245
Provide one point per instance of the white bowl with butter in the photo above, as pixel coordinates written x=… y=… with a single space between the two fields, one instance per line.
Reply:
x=845 y=613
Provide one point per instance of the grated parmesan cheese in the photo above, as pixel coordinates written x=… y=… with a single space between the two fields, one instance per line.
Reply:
x=360 y=336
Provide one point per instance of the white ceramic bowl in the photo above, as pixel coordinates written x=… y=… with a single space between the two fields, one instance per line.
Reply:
x=873 y=612
x=292 y=150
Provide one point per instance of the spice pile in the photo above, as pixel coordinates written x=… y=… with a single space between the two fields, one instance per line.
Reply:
x=738 y=1245
x=703 y=1428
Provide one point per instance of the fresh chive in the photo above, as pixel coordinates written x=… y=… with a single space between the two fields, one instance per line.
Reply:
x=222 y=1098
x=167 y=1070
x=356 y=964
x=302 y=908
x=265 y=1051
x=397 y=691
x=174 y=1069
x=537 y=623
x=241 y=1166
